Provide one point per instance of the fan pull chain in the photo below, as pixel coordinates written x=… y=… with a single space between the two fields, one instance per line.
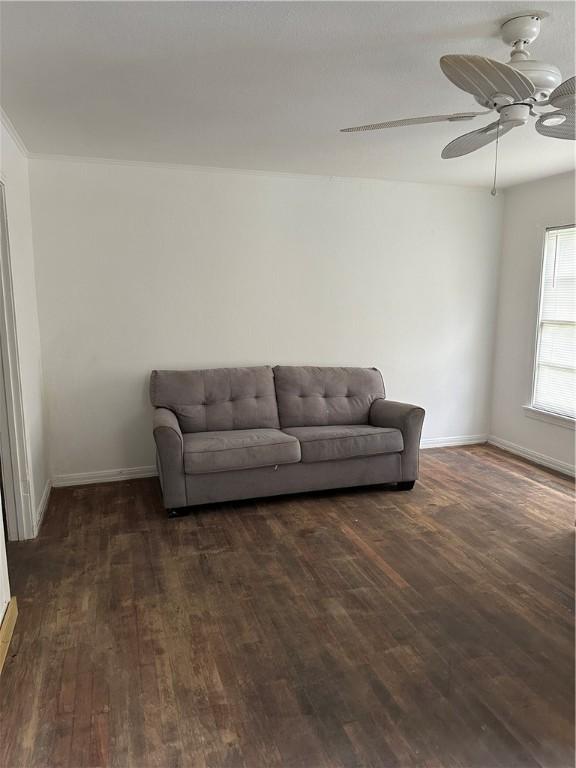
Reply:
x=493 y=191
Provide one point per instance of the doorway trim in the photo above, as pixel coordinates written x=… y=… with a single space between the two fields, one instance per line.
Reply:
x=15 y=474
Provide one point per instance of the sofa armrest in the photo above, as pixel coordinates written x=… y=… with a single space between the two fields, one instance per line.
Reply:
x=170 y=451
x=408 y=419
x=165 y=418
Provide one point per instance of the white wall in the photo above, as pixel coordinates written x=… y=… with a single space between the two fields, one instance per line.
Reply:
x=528 y=210
x=141 y=267
x=14 y=173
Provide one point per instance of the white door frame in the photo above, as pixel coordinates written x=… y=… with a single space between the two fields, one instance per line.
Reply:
x=15 y=474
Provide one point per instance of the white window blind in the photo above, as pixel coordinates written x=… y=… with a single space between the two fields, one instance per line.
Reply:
x=555 y=365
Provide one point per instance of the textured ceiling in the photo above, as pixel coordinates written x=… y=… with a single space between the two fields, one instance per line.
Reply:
x=266 y=86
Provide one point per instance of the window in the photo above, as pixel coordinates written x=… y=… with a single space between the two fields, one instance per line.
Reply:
x=555 y=365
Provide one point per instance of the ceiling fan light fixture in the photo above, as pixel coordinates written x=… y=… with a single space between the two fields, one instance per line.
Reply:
x=516 y=114
x=553 y=119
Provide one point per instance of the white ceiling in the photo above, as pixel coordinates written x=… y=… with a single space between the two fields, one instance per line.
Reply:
x=266 y=86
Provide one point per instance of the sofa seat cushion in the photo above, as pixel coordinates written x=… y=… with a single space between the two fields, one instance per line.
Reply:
x=238 y=449
x=345 y=442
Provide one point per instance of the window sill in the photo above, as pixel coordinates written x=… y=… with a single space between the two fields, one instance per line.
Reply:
x=550 y=418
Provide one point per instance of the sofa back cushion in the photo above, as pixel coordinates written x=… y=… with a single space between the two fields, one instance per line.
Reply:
x=217 y=398
x=312 y=397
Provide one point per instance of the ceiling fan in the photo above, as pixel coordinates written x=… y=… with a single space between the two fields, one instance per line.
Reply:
x=514 y=90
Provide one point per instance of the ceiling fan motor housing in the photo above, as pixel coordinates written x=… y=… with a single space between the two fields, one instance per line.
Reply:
x=545 y=76
x=520 y=32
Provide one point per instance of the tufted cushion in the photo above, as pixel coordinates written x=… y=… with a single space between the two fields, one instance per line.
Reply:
x=345 y=442
x=217 y=398
x=238 y=449
x=313 y=397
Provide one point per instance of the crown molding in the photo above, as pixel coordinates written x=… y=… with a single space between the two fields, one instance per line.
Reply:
x=13 y=133
x=224 y=170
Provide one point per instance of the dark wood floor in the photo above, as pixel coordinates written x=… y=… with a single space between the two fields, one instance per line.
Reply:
x=369 y=628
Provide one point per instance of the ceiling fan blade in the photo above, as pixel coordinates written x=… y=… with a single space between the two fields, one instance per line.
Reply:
x=474 y=140
x=557 y=125
x=485 y=78
x=563 y=97
x=414 y=121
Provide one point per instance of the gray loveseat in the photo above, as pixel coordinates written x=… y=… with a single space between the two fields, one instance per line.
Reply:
x=239 y=433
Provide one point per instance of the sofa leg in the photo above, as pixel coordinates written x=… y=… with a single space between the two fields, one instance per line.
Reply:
x=172 y=513
x=406 y=485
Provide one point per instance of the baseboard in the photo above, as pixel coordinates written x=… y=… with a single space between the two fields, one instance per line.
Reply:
x=7 y=629
x=42 y=507
x=537 y=458
x=103 y=476
x=446 y=442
